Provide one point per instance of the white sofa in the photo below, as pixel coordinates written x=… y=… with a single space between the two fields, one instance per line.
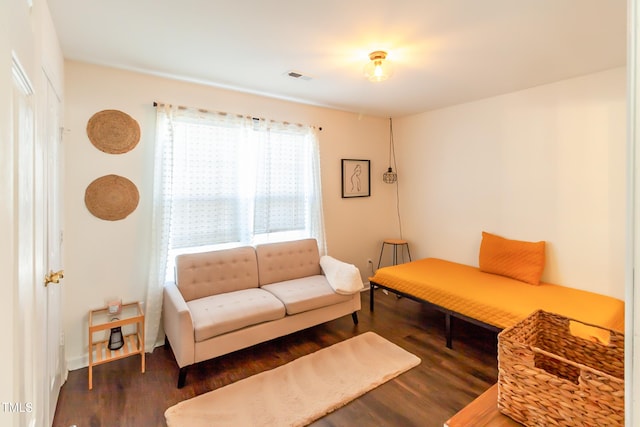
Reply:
x=226 y=300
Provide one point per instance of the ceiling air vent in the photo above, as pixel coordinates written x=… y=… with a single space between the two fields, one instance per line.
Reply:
x=297 y=75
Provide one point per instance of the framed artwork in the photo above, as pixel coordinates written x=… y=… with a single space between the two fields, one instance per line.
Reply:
x=356 y=178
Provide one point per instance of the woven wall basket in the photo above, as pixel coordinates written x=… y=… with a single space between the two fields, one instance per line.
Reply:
x=111 y=197
x=113 y=131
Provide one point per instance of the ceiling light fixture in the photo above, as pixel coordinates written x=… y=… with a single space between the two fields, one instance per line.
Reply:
x=379 y=68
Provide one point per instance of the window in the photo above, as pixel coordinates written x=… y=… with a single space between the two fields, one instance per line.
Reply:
x=229 y=181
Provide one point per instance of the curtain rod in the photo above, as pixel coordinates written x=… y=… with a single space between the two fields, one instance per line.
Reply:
x=181 y=107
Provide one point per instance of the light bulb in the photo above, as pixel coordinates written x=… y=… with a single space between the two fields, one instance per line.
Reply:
x=378 y=69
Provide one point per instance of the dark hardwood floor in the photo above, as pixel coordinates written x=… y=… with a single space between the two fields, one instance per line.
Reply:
x=427 y=395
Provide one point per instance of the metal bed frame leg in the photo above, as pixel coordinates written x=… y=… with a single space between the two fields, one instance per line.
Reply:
x=371 y=289
x=447 y=329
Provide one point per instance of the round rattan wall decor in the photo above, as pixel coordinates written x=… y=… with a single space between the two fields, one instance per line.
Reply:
x=111 y=197
x=113 y=131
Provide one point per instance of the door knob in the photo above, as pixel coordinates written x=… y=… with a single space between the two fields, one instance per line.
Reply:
x=53 y=277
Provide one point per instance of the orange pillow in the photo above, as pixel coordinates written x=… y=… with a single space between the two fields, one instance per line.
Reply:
x=516 y=259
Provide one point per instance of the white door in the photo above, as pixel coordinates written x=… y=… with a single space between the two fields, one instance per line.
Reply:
x=52 y=234
x=39 y=243
x=23 y=132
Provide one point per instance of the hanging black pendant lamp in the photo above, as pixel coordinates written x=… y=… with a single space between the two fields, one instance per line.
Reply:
x=390 y=177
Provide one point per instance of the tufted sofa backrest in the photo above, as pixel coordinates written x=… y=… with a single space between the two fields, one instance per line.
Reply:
x=282 y=261
x=210 y=273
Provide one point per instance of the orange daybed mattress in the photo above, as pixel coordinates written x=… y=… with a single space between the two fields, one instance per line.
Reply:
x=497 y=300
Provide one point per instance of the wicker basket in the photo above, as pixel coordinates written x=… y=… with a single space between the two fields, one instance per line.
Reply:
x=548 y=376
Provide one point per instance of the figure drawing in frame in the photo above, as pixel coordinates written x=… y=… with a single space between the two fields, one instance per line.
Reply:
x=356 y=178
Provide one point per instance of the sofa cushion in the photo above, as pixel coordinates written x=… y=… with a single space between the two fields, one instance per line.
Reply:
x=282 y=261
x=516 y=259
x=217 y=314
x=307 y=293
x=210 y=273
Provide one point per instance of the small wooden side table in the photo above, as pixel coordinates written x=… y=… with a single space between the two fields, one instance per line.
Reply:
x=402 y=244
x=100 y=320
x=482 y=412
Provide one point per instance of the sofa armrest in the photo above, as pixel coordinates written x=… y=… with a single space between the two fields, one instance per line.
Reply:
x=178 y=325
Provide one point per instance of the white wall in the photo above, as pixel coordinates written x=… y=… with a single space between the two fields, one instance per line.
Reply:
x=547 y=163
x=8 y=362
x=632 y=301
x=541 y=164
x=105 y=259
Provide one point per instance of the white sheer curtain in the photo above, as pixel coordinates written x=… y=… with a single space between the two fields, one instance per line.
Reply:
x=160 y=225
x=223 y=180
